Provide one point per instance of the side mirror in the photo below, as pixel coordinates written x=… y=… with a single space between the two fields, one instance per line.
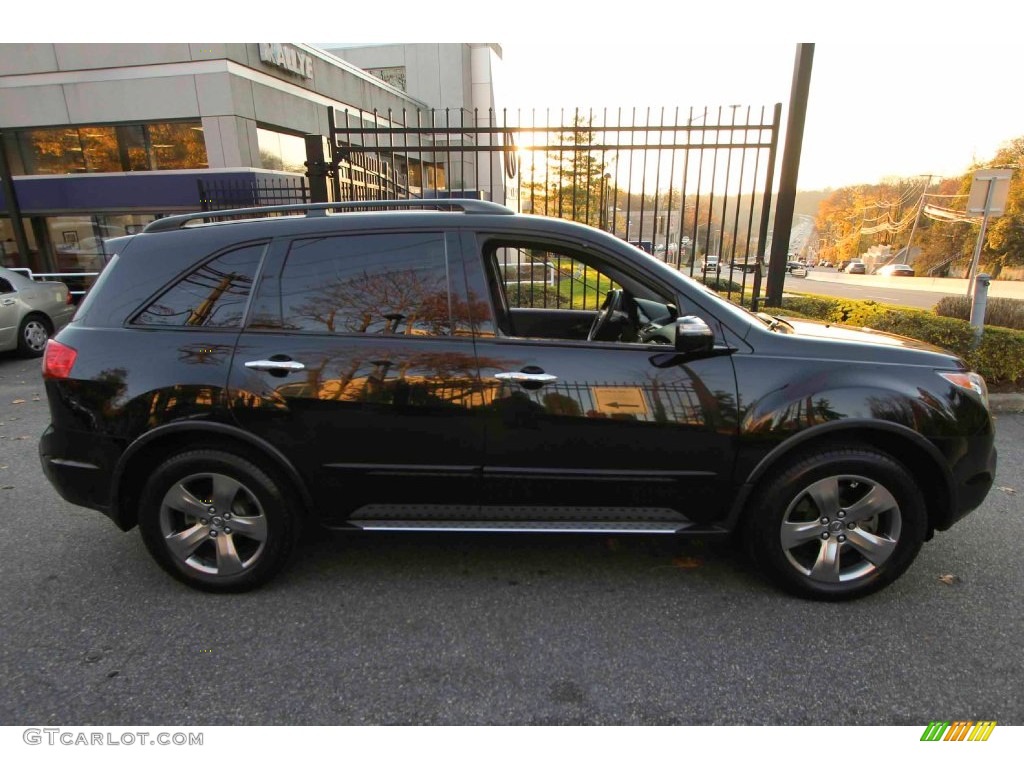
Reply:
x=693 y=336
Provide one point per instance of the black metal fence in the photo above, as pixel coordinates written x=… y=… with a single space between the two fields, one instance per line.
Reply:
x=222 y=194
x=684 y=186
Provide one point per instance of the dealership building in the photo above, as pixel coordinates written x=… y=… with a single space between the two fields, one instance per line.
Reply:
x=102 y=139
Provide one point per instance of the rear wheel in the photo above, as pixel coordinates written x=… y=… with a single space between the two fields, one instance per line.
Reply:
x=217 y=521
x=34 y=332
x=837 y=524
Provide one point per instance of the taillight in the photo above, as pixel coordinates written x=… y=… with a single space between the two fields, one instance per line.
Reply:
x=71 y=299
x=58 y=360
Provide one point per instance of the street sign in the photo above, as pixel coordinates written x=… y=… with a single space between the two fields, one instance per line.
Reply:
x=999 y=180
x=988 y=198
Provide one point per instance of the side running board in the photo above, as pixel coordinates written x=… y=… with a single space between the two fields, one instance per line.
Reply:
x=521 y=526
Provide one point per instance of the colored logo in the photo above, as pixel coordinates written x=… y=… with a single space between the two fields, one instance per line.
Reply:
x=961 y=730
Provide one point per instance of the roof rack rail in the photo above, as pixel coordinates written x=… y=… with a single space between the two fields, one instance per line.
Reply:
x=169 y=223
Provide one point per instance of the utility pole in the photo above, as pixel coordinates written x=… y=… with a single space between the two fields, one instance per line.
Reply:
x=917 y=218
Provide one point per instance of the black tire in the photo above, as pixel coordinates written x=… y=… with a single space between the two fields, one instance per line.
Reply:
x=184 y=502
x=810 y=529
x=33 y=333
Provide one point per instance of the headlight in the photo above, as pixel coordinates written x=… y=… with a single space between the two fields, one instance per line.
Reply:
x=972 y=381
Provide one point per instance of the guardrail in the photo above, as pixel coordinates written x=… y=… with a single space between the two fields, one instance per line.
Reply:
x=35 y=276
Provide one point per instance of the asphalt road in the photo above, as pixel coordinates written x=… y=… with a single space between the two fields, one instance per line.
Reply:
x=851 y=288
x=490 y=629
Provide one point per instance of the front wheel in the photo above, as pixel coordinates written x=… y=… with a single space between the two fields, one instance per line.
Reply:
x=837 y=524
x=217 y=522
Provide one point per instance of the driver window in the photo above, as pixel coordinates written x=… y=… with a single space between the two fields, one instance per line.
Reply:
x=541 y=292
x=539 y=278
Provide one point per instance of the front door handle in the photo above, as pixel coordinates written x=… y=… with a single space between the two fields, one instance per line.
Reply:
x=519 y=377
x=7 y=302
x=275 y=366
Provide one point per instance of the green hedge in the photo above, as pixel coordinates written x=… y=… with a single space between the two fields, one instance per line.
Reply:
x=999 y=357
x=719 y=284
x=1008 y=313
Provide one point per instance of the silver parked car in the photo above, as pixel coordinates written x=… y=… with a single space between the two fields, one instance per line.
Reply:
x=31 y=312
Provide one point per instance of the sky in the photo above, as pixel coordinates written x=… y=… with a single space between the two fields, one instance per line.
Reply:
x=897 y=88
x=874 y=110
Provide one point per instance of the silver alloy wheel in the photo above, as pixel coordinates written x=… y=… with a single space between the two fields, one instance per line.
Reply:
x=213 y=523
x=841 y=528
x=35 y=334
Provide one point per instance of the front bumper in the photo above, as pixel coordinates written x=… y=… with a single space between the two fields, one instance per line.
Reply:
x=974 y=479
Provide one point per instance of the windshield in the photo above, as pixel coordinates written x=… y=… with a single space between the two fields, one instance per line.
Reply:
x=773 y=322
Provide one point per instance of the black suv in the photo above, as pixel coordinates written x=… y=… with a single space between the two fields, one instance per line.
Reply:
x=470 y=369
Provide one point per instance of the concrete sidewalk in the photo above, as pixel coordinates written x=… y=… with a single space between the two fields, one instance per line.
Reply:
x=1007 y=289
x=1006 y=402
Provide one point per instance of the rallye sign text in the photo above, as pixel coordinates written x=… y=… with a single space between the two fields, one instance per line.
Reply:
x=287 y=57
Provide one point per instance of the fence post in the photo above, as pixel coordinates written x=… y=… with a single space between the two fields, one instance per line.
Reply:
x=786 y=199
x=317 y=167
x=978 y=302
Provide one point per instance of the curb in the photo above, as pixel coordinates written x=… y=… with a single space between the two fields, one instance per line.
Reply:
x=1012 y=402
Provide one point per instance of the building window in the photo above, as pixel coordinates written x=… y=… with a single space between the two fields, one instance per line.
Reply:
x=393 y=76
x=99 y=149
x=281 y=151
x=176 y=146
x=424 y=176
x=112 y=149
x=52 y=150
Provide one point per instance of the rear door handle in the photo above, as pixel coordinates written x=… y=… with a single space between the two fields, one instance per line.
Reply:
x=526 y=378
x=282 y=366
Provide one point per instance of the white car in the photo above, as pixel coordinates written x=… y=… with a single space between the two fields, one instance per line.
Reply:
x=896 y=270
x=711 y=264
x=31 y=312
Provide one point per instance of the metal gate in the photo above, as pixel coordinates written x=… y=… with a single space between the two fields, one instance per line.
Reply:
x=683 y=185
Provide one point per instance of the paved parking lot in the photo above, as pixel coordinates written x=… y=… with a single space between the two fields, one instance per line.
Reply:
x=451 y=629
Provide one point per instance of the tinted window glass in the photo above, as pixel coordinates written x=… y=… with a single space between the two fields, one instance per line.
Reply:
x=213 y=295
x=92 y=148
x=367 y=284
x=541 y=277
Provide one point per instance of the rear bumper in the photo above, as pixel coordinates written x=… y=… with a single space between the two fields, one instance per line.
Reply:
x=80 y=465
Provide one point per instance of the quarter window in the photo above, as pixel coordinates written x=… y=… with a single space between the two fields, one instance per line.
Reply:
x=368 y=284
x=213 y=295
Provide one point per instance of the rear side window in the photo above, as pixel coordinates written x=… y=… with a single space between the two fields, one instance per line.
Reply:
x=368 y=284
x=213 y=295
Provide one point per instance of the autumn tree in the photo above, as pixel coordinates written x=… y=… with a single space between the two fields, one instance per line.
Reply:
x=852 y=218
x=1004 y=244
x=572 y=184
